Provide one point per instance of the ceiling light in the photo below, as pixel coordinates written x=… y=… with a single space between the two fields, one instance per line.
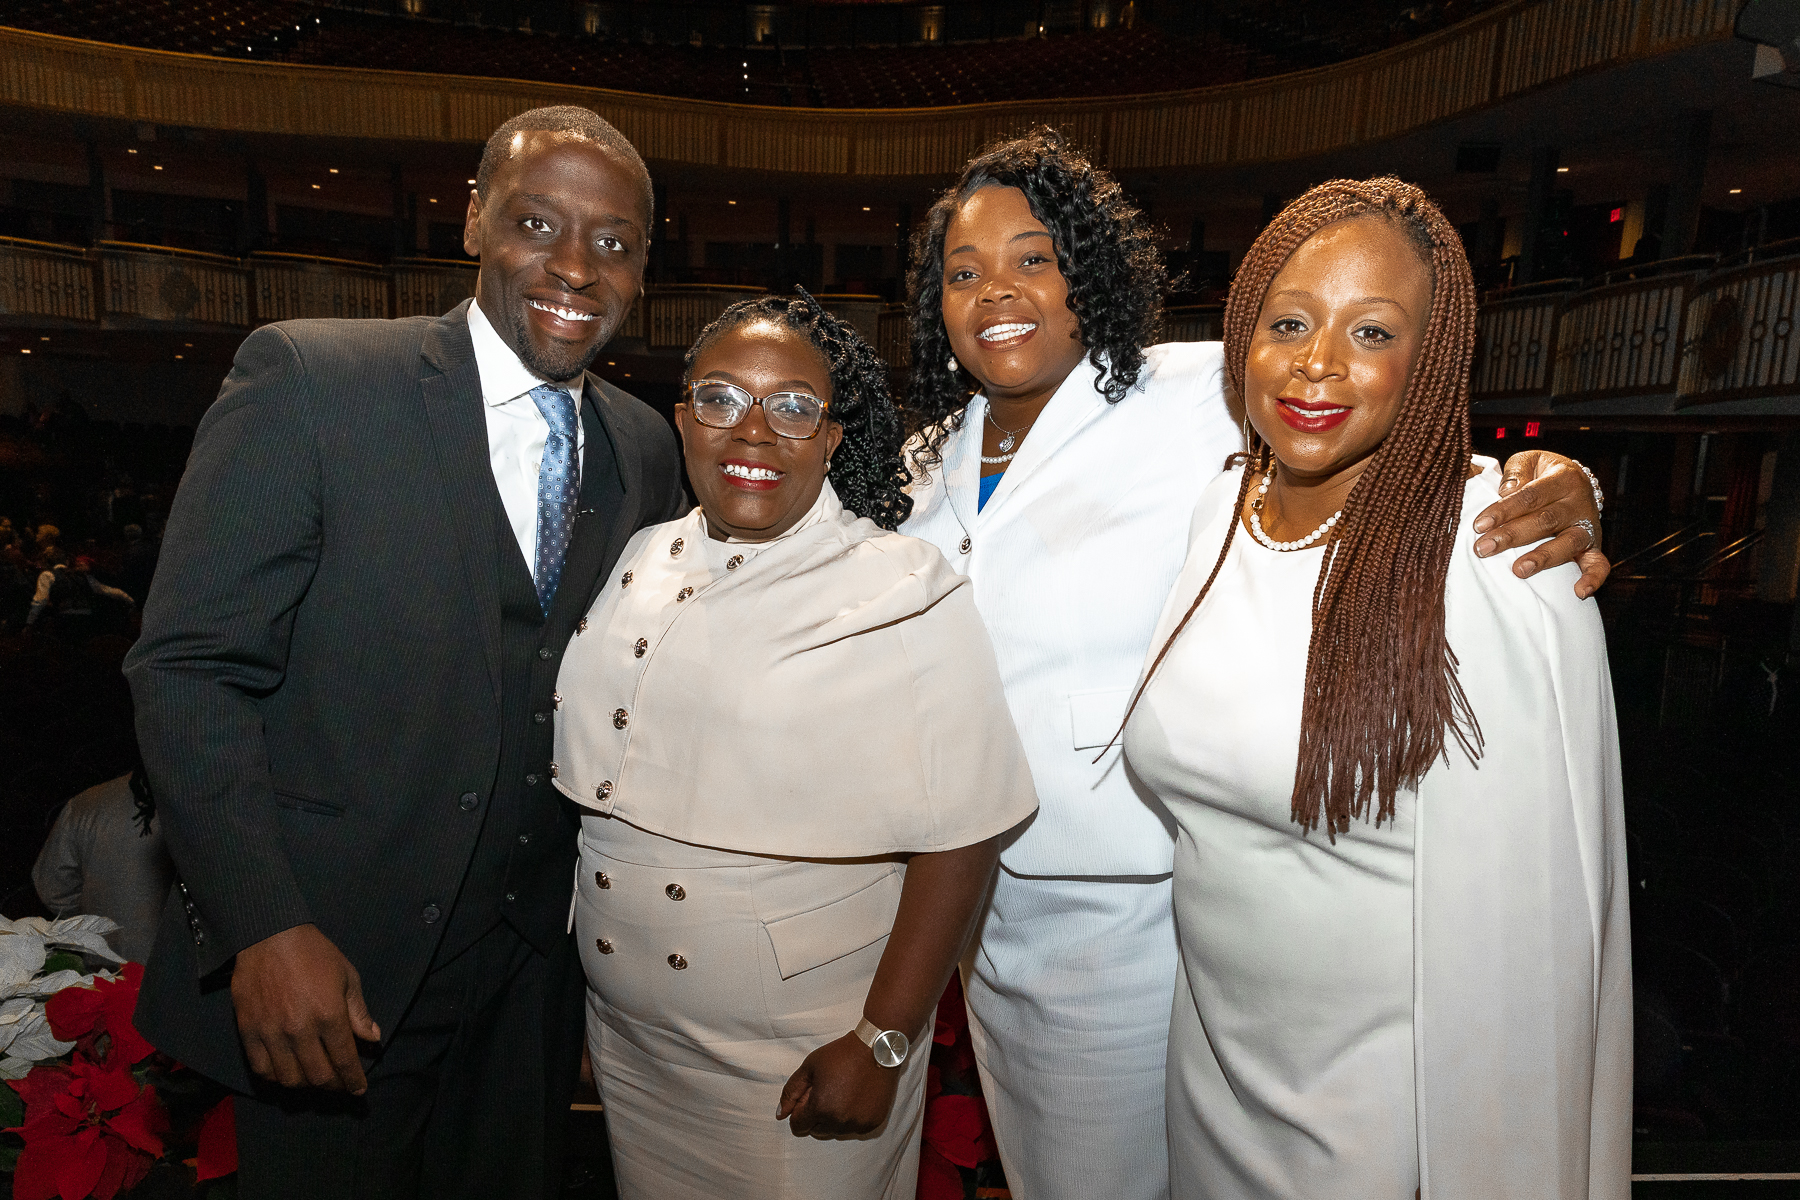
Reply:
x=1737 y=191
x=333 y=170
x=156 y=167
x=189 y=345
x=178 y=356
x=131 y=151
x=865 y=208
x=434 y=199
x=25 y=350
x=1562 y=170
x=44 y=338
x=611 y=363
x=731 y=202
x=315 y=187
x=471 y=181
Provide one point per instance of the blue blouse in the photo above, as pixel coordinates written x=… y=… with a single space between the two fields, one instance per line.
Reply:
x=988 y=484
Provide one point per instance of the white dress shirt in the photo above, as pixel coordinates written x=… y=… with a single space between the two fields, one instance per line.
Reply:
x=516 y=430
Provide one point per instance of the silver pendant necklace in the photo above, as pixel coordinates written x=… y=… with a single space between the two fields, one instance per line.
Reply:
x=1008 y=439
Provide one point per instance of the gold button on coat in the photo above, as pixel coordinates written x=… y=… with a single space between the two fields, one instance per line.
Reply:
x=683 y=594
x=676 y=891
x=678 y=962
x=734 y=562
x=602 y=945
x=966 y=543
x=602 y=792
x=621 y=718
x=675 y=547
x=642 y=645
x=603 y=881
x=581 y=625
x=625 y=580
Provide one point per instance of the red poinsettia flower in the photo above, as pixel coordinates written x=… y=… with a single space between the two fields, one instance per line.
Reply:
x=90 y=1131
x=84 y=1015
x=218 y=1142
x=938 y=1177
x=957 y=1127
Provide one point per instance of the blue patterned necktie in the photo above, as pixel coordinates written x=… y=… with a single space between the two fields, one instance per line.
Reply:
x=559 y=482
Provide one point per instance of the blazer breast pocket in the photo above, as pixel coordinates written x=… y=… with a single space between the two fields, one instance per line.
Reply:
x=816 y=936
x=1094 y=716
x=301 y=802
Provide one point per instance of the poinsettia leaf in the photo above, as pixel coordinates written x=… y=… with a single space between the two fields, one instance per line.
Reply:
x=62 y=960
x=21 y=957
x=35 y=1042
x=218 y=1155
x=79 y=1165
x=48 y=985
x=139 y=1123
x=34 y=1174
x=12 y=1108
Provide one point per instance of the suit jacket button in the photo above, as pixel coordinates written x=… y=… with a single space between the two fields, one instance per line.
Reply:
x=510 y=897
x=431 y=914
x=602 y=945
x=468 y=802
x=678 y=962
x=531 y=779
x=966 y=543
x=544 y=652
x=540 y=718
x=603 y=791
x=676 y=892
x=524 y=839
x=602 y=880
x=683 y=594
x=621 y=718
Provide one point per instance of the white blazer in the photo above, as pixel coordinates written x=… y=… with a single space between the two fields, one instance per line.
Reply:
x=1071 y=561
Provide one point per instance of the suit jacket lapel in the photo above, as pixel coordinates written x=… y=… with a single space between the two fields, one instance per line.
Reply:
x=1076 y=403
x=450 y=384
x=596 y=539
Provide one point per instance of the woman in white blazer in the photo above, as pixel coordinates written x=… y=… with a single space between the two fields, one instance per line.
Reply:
x=1035 y=290
x=1400 y=880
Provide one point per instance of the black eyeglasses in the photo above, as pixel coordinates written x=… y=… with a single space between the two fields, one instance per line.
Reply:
x=722 y=405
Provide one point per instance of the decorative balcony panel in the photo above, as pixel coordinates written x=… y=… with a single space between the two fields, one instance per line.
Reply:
x=289 y=287
x=862 y=313
x=1198 y=323
x=1623 y=340
x=431 y=288
x=893 y=338
x=674 y=317
x=1741 y=342
x=42 y=279
x=157 y=284
x=1514 y=344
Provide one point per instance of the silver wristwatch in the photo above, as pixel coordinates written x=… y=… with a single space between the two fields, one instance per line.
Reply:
x=889 y=1045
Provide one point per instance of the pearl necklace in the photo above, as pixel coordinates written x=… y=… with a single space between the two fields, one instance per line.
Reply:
x=1256 y=520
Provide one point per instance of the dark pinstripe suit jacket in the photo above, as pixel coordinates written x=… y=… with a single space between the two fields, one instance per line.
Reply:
x=323 y=638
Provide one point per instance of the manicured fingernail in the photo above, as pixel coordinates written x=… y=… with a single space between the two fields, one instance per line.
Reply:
x=1526 y=567
x=1485 y=547
x=1483 y=524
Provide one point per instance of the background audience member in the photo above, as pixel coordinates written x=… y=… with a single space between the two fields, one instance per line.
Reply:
x=105 y=855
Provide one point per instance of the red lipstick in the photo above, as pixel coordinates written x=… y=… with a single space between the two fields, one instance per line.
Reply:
x=1309 y=416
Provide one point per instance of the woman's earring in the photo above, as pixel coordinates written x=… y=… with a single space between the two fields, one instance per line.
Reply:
x=952 y=364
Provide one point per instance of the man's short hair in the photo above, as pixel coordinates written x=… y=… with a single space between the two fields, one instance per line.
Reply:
x=569 y=119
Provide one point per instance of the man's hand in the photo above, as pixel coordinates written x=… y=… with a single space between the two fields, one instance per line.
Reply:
x=1543 y=495
x=840 y=1090
x=300 y=1010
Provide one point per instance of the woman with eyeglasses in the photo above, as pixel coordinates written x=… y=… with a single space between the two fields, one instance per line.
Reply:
x=786 y=725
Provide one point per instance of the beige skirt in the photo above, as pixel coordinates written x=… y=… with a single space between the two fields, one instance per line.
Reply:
x=711 y=977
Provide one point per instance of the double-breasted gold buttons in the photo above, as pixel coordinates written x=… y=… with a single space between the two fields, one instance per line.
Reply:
x=602 y=792
x=675 y=548
x=625 y=580
x=734 y=562
x=638 y=648
x=683 y=594
x=675 y=892
x=621 y=718
x=581 y=626
x=603 y=881
x=602 y=945
x=678 y=962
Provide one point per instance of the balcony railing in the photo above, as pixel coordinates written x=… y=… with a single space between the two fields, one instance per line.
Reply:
x=1668 y=339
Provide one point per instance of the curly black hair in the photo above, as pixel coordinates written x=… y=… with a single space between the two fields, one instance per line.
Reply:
x=1105 y=248
x=866 y=470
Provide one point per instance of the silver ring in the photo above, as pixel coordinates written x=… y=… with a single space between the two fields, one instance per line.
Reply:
x=1593 y=534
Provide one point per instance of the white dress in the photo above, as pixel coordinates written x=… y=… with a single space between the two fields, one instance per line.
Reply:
x=1472 y=951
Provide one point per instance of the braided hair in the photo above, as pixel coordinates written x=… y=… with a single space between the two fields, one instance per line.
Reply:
x=866 y=470
x=1381 y=687
x=1104 y=248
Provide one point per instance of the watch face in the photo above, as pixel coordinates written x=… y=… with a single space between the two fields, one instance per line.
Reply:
x=890 y=1048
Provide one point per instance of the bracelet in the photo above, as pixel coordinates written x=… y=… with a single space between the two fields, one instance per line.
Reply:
x=1599 y=497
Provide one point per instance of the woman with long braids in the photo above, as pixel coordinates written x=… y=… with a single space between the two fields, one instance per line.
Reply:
x=786 y=727
x=1399 y=973
x=1059 y=466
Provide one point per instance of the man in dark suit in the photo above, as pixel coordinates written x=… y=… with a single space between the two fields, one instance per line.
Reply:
x=386 y=535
